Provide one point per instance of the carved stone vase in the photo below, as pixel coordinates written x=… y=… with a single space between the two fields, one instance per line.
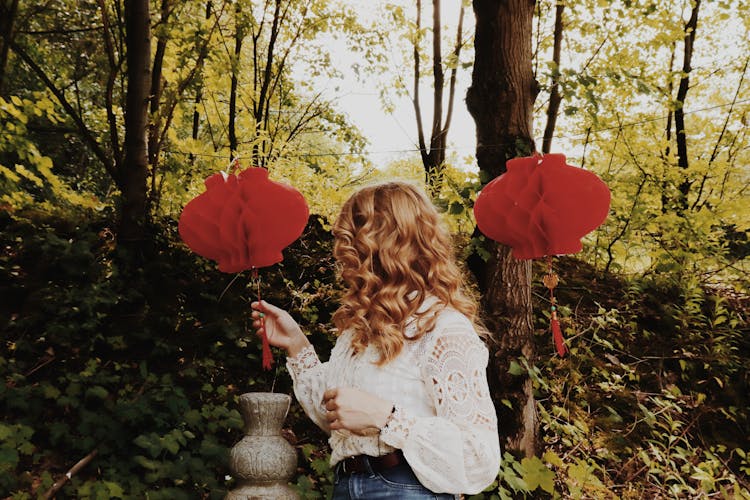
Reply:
x=263 y=462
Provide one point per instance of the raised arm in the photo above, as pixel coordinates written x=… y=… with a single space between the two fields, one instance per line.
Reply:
x=308 y=373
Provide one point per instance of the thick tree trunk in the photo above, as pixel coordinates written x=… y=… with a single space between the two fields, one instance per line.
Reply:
x=500 y=100
x=134 y=171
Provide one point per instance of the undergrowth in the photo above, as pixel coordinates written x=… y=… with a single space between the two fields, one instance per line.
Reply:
x=144 y=364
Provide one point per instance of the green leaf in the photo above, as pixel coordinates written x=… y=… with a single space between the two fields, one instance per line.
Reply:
x=97 y=392
x=552 y=458
x=146 y=463
x=193 y=418
x=536 y=474
x=115 y=490
x=515 y=368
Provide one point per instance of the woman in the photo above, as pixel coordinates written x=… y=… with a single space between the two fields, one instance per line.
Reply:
x=404 y=395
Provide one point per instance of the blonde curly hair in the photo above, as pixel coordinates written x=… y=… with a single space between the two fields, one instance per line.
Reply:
x=394 y=252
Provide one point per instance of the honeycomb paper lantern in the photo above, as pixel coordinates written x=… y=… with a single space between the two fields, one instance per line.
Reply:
x=539 y=207
x=243 y=221
x=542 y=206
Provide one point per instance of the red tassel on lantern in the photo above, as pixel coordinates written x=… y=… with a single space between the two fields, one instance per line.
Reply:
x=557 y=335
x=267 y=356
x=551 y=280
x=267 y=359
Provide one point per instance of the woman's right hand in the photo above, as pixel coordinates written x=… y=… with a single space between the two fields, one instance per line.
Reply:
x=280 y=328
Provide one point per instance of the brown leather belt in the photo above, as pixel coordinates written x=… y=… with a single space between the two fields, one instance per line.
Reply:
x=358 y=464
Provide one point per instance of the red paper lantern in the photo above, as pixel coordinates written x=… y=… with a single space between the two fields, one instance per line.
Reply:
x=243 y=221
x=542 y=206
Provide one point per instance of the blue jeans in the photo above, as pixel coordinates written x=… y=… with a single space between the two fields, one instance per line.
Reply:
x=397 y=483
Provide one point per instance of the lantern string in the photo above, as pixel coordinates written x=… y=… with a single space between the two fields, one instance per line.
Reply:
x=551 y=280
x=234 y=165
x=267 y=359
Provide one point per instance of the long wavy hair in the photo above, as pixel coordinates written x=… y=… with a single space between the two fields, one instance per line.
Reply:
x=394 y=251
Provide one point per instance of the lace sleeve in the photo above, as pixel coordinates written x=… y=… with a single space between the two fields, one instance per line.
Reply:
x=309 y=375
x=456 y=451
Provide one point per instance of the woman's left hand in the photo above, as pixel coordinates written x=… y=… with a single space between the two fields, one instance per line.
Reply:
x=357 y=411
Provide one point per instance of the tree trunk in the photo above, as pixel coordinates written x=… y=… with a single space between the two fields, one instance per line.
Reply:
x=238 y=37
x=679 y=113
x=135 y=165
x=157 y=83
x=554 y=96
x=199 y=96
x=434 y=157
x=156 y=86
x=500 y=100
x=261 y=105
x=437 y=136
x=8 y=11
x=668 y=149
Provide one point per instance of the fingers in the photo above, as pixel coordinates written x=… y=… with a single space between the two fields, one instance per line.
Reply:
x=330 y=394
x=265 y=307
x=257 y=316
x=330 y=405
x=334 y=420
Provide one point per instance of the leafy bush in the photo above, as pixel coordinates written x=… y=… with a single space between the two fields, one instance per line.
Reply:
x=143 y=361
x=143 y=365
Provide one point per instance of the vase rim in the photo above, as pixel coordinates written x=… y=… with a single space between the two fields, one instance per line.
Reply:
x=265 y=395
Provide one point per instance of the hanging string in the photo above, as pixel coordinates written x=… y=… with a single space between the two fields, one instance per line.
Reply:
x=551 y=280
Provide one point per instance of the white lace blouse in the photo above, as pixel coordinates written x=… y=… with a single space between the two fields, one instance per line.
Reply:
x=444 y=422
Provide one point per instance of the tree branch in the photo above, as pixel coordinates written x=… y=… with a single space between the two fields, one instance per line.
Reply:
x=715 y=152
x=452 y=84
x=83 y=130
x=114 y=70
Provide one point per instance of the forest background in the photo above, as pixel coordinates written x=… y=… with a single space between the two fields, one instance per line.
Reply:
x=124 y=349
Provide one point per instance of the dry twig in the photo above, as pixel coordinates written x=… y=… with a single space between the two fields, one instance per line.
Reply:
x=78 y=466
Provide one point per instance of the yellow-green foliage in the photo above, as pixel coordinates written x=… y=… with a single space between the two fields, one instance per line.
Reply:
x=29 y=181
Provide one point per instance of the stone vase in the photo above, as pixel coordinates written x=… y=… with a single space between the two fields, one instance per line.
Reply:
x=263 y=462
